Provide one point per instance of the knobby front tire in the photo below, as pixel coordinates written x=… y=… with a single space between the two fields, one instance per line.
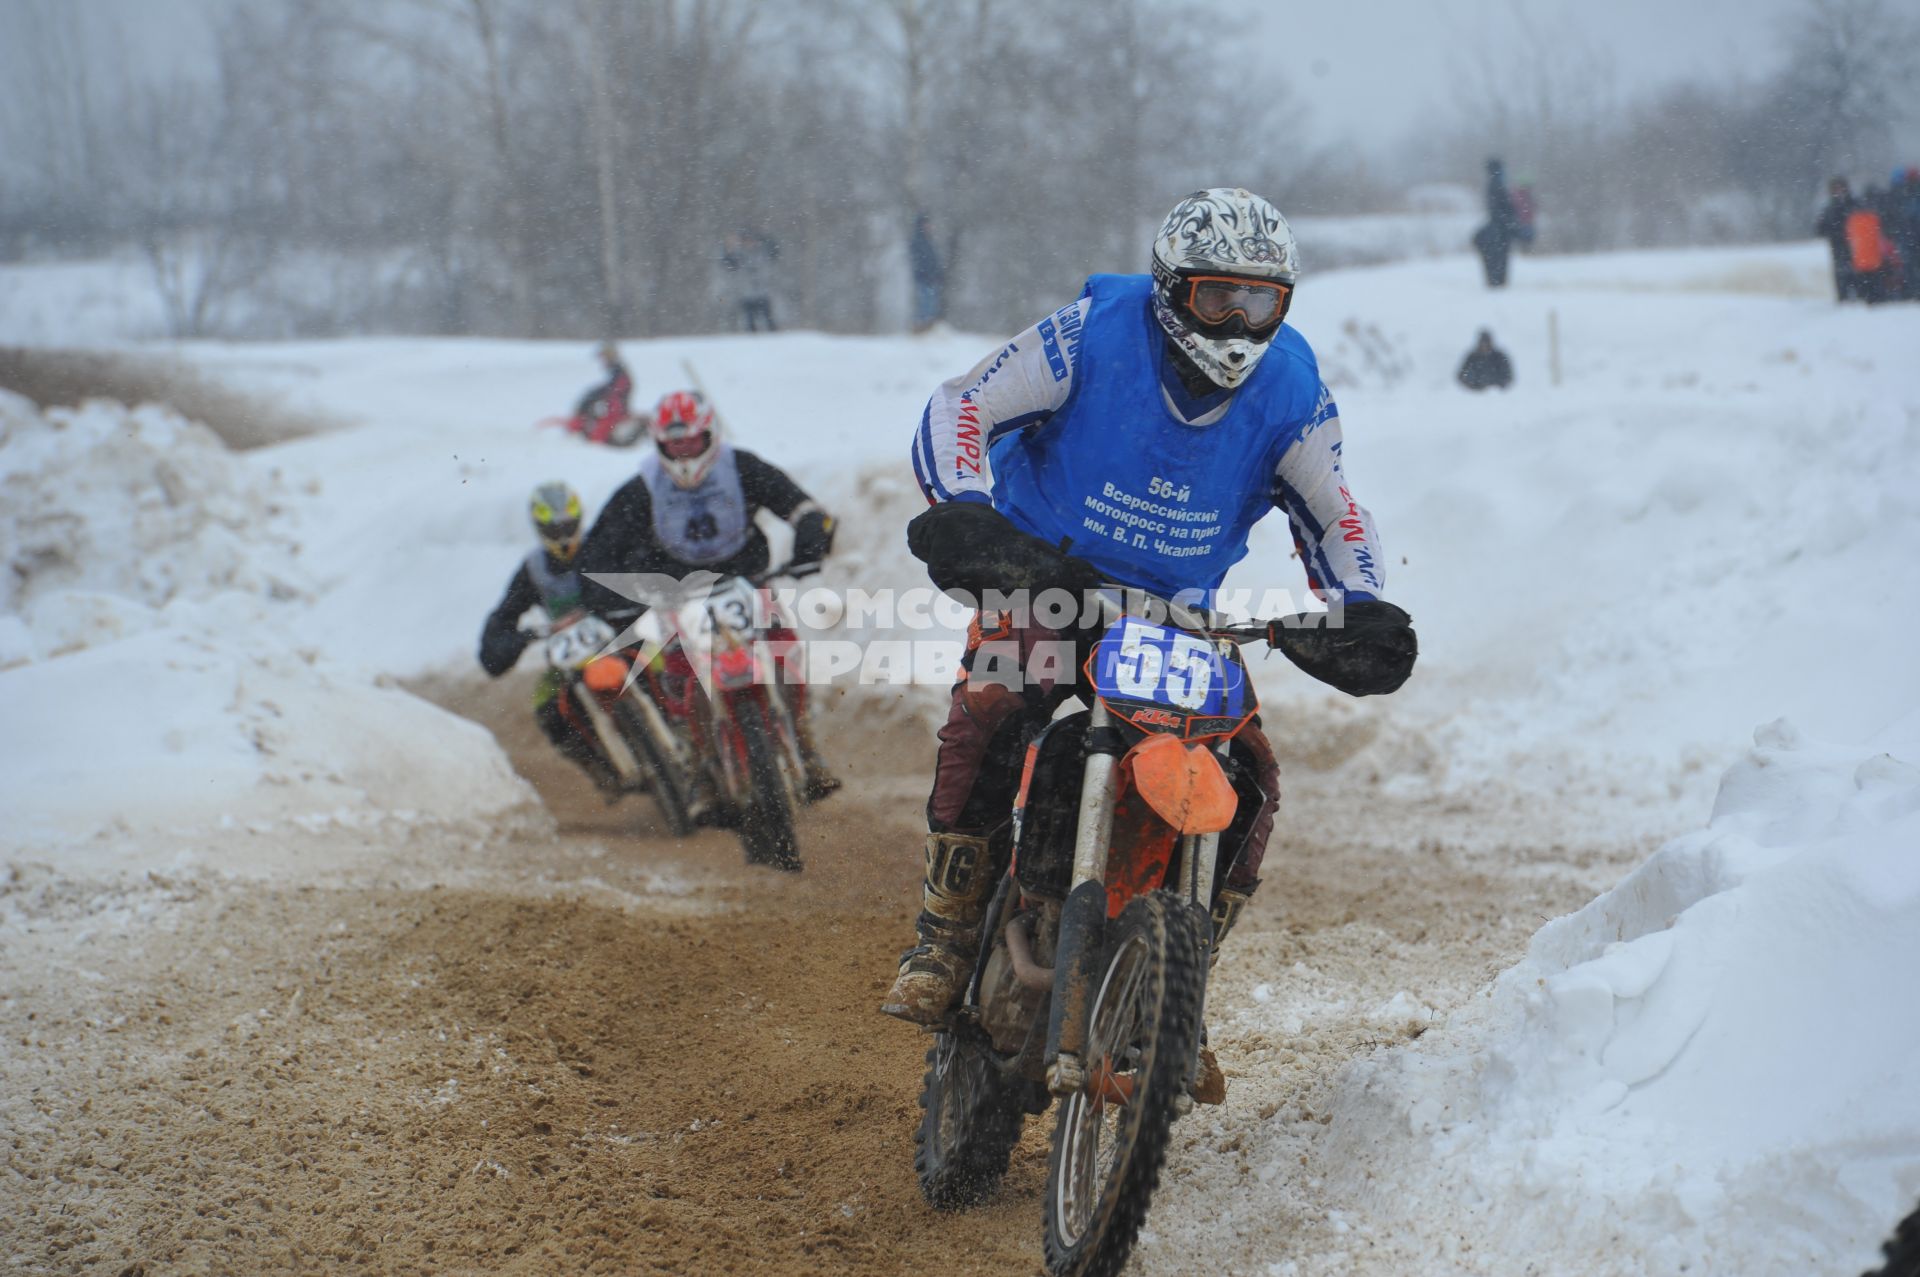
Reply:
x=641 y=726
x=971 y=1123
x=766 y=828
x=1144 y=1026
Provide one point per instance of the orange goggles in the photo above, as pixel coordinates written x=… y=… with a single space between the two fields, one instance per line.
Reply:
x=1214 y=300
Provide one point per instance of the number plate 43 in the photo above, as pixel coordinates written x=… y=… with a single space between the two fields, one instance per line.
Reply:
x=1167 y=680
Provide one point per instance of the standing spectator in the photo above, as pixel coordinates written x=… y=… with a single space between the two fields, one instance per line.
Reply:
x=929 y=276
x=1525 y=211
x=1875 y=269
x=1903 y=217
x=1832 y=227
x=748 y=256
x=1486 y=365
x=1495 y=239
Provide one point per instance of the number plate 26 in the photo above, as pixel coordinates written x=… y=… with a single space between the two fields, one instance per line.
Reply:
x=1167 y=680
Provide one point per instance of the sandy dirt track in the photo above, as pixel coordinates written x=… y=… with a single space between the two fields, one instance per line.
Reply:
x=592 y=1052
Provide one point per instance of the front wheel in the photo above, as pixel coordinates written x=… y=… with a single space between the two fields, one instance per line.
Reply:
x=972 y=1121
x=1111 y=1138
x=766 y=827
x=642 y=724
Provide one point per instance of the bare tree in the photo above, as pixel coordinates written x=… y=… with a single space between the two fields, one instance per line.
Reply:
x=1830 y=109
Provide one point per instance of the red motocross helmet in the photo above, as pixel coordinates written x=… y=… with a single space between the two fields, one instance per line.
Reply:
x=685 y=433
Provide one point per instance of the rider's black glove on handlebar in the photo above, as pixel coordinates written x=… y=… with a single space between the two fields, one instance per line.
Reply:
x=499 y=649
x=972 y=547
x=1371 y=654
x=812 y=537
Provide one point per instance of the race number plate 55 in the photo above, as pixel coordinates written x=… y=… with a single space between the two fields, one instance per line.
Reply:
x=1165 y=679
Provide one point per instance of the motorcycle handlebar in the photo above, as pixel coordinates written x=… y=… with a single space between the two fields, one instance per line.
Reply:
x=1199 y=619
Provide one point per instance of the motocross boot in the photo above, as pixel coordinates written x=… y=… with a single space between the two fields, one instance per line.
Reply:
x=934 y=973
x=1210 y=1083
x=1226 y=911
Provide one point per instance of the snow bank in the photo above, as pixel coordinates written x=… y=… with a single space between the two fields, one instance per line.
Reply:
x=1708 y=522
x=1713 y=1067
x=109 y=515
x=154 y=673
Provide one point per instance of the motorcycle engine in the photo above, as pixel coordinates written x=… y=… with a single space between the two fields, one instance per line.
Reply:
x=1008 y=1008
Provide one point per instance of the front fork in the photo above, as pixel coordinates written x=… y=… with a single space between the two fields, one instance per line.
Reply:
x=1084 y=915
x=613 y=746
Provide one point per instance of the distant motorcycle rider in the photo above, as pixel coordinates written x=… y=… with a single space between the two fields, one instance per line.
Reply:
x=1135 y=437
x=691 y=509
x=601 y=410
x=549 y=579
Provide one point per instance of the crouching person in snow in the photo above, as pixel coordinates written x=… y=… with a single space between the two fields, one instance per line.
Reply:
x=1485 y=365
x=1181 y=389
x=548 y=579
x=691 y=509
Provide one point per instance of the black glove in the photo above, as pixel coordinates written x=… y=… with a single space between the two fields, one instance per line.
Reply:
x=501 y=648
x=1371 y=654
x=970 y=546
x=812 y=537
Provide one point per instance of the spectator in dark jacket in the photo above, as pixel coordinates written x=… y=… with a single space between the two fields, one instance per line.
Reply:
x=1832 y=227
x=1495 y=239
x=929 y=276
x=1486 y=365
x=1903 y=227
x=748 y=258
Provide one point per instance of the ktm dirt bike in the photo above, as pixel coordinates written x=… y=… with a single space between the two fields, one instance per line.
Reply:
x=1090 y=988
x=619 y=714
x=742 y=733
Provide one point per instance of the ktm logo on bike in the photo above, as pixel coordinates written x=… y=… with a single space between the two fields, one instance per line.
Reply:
x=1155 y=718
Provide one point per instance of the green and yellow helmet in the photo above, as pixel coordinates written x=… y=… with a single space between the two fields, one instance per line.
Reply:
x=557 y=516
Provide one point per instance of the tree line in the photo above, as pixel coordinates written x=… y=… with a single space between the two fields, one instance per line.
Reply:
x=571 y=167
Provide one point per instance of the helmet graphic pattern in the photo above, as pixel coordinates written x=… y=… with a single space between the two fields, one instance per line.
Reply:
x=1229 y=232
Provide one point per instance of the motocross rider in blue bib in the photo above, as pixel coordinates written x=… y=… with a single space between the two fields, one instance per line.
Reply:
x=1133 y=437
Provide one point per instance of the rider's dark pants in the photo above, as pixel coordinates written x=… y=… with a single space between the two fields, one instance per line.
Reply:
x=1014 y=678
x=573 y=746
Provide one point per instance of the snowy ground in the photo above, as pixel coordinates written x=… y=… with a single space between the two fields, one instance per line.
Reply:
x=1708 y=522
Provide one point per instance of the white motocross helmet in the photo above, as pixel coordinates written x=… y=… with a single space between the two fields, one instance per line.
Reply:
x=1224 y=269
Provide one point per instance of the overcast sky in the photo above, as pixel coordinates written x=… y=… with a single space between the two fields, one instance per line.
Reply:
x=1373 y=69
x=1369 y=70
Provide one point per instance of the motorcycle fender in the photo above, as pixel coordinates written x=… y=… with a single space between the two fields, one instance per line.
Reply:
x=1184 y=783
x=1076 y=967
x=605 y=674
